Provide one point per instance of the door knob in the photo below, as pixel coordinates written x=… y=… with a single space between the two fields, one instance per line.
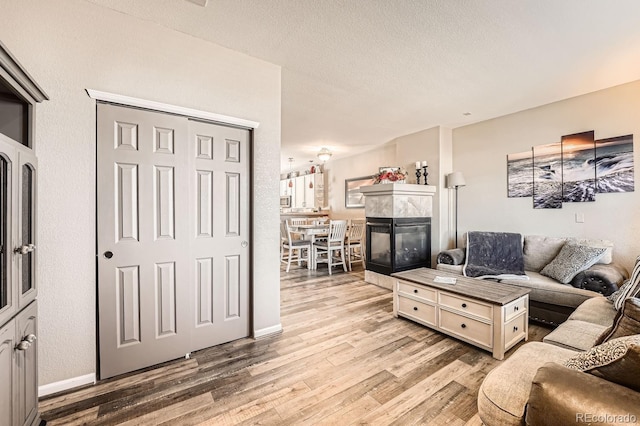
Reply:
x=244 y=244
x=30 y=338
x=108 y=255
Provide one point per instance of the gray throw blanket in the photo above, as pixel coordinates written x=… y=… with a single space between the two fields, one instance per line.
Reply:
x=494 y=255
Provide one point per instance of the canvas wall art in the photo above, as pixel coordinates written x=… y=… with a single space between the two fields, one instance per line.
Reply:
x=547 y=176
x=520 y=174
x=614 y=164
x=579 y=167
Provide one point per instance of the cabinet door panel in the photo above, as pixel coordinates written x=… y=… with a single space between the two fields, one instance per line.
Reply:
x=7 y=389
x=8 y=293
x=26 y=366
x=26 y=235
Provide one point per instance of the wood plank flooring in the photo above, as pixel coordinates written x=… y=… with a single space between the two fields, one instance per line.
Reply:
x=342 y=359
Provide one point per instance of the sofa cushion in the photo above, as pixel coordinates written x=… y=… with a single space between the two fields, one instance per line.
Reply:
x=547 y=290
x=504 y=392
x=627 y=322
x=596 y=310
x=575 y=335
x=617 y=360
x=540 y=250
x=572 y=259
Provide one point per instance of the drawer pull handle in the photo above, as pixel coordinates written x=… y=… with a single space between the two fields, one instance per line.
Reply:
x=415 y=290
x=515 y=328
x=415 y=308
x=464 y=305
x=515 y=308
x=463 y=325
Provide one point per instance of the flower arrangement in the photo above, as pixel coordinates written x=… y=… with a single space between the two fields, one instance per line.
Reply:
x=390 y=175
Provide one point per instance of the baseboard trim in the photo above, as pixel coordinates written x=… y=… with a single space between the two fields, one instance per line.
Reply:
x=267 y=331
x=63 y=385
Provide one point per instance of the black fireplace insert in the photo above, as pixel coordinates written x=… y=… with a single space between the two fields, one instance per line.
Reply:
x=398 y=244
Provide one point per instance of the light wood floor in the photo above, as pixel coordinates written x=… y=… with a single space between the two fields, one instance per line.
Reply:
x=342 y=359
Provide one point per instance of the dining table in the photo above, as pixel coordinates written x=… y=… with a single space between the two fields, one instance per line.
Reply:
x=311 y=231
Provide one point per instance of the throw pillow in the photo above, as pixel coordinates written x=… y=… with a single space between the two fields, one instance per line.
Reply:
x=608 y=255
x=627 y=322
x=617 y=361
x=573 y=258
x=539 y=251
x=630 y=288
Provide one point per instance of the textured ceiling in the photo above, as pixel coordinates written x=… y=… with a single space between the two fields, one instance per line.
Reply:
x=358 y=73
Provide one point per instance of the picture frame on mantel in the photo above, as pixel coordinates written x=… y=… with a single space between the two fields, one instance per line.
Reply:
x=353 y=197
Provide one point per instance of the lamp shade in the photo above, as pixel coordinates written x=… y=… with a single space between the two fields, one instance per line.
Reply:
x=455 y=180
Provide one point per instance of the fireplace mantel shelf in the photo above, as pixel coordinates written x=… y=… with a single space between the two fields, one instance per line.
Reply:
x=398 y=189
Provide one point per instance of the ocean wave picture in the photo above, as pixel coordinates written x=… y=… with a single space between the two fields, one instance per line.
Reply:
x=614 y=164
x=547 y=176
x=578 y=167
x=520 y=174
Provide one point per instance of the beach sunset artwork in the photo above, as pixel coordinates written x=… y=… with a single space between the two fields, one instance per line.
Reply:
x=547 y=176
x=520 y=174
x=614 y=164
x=579 y=167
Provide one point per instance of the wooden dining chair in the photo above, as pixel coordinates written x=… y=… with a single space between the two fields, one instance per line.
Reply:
x=295 y=248
x=334 y=243
x=353 y=242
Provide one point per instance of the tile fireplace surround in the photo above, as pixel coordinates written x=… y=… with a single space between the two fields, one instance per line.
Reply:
x=395 y=200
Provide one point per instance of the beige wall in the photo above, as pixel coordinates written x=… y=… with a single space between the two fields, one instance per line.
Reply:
x=432 y=145
x=71 y=45
x=480 y=150
x=364 y=164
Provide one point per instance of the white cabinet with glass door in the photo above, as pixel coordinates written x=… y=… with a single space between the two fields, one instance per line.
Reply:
x=18 y=283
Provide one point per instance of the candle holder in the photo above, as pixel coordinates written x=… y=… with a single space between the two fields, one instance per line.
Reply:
x=418 y=174
x=425 y=175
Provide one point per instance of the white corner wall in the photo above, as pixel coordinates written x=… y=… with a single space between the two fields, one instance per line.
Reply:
x=71 y=45
x=480 y=150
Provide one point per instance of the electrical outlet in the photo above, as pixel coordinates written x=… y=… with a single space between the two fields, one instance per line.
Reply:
x=579 y=217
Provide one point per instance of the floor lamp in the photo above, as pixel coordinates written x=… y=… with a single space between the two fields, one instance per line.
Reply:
x=454 y=181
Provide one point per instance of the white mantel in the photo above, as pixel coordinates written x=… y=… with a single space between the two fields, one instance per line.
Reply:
x=397 y=200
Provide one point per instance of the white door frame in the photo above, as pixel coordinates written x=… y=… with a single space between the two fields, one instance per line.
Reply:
x=250 y=125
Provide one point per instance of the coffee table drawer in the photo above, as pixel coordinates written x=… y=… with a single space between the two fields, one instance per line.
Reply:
x=467 y=328
x=515 y=308
x=514 y=330
x=417 y=291
x=462 y=304
x=418 y=310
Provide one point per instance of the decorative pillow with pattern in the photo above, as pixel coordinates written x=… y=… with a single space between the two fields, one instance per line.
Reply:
x=630 y=288
x=573 y=258
x=617 y=360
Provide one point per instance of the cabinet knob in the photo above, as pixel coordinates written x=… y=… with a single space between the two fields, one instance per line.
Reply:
x=463 y=325
x=23 y=345
x=108 y=254
x=25 y=249
x=515 y=328
x=415 y=290
x=464 y=305
x=516 y=308
x=415 y=308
